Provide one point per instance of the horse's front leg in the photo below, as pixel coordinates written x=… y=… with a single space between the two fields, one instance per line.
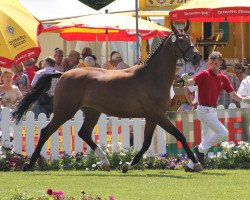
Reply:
x=91 y=118
x=165 y=123
x=148 y=133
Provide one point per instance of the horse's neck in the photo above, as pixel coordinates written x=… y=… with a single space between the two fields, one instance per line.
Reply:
x=163 y=65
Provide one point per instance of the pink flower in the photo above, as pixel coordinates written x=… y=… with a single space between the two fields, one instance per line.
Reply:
x=58 y=194
x=111 y=198
x=49 y=192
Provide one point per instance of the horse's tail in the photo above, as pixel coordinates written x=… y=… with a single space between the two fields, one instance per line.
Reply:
x=43 y=84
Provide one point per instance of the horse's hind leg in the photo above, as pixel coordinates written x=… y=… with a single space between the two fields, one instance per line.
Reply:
x=90 y=120
x=148 y=134
x=46 y=132
x=165 y=123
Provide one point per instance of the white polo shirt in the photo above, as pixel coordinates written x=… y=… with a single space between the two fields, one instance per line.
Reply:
x=244 y=90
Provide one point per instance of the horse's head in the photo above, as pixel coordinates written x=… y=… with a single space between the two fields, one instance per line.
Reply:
x=183 y=44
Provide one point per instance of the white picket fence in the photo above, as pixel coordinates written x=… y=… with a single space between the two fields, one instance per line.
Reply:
x=157 y=147
x=26 y=134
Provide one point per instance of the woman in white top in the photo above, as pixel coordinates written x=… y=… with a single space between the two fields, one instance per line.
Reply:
x=10 y=93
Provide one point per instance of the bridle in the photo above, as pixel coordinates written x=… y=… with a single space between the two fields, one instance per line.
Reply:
x=175 y=39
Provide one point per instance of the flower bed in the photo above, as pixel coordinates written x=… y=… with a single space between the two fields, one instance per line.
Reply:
x=232 y=156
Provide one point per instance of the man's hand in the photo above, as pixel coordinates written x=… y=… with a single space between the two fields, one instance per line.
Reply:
x=245 y=100
x=185 y=77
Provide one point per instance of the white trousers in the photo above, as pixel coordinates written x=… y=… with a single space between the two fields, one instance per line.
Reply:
x=213 y=131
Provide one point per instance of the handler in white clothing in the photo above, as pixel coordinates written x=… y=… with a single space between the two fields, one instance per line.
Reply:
x=210 y=83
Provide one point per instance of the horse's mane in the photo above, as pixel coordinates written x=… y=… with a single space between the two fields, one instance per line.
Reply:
x=156 y=49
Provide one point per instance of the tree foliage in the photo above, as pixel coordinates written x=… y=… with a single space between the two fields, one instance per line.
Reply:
x=96 y=4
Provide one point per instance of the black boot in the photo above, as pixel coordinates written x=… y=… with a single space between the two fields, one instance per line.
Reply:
x=199 y=156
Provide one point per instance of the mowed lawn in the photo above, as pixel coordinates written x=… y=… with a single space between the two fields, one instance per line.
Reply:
x=146 y=185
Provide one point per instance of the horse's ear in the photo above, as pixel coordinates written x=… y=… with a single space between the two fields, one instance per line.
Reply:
x=187 y=26
x=173 y=28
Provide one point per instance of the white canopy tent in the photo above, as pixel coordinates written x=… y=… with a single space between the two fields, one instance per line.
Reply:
x=46 y=10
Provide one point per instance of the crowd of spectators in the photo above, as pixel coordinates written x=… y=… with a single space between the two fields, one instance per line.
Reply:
x=18 y=80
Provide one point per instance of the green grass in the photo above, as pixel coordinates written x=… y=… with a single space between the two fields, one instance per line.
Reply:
x=146 y=185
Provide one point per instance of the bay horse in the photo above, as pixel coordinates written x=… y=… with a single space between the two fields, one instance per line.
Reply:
x=142 y=91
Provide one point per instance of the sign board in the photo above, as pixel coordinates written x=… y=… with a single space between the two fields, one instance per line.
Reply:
x=166 y=4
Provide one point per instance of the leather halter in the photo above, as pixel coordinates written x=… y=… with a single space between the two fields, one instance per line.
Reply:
x=182 y=51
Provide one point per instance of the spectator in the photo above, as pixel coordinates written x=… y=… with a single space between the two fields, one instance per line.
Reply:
x=30 y=68
x=116 y=62
x=224 y=98
x=239 y=71
x=40 y=64
x=45 y=102
x=244 y=89
x=88 y=52
x=21 y=79
x=58 y=55
x=89 y=61
x=74 y=57
x=190 y=92
x=10 y=93
x=65 y=64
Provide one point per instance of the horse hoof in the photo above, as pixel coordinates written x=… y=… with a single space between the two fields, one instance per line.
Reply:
x=126 y=167
x=198 y=167
x=26 y=167
x=105 y=165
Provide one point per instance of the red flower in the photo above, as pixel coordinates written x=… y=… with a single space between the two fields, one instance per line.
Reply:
x=49 y=192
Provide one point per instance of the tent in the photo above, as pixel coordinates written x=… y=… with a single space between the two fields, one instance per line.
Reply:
x=45 y=10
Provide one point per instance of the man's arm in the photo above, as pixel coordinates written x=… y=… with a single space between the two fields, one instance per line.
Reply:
x=238 y=97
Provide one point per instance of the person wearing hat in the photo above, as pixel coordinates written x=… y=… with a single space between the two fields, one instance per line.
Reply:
x=239 y=71
x=116 y=62
x=10 y=94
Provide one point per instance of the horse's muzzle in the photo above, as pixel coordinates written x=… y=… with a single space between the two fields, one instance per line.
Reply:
x=196 y=57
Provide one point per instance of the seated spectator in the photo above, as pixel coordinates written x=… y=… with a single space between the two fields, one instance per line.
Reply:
x=58 y=56
x=224 y=98
x=21 y=79
x=116 y=62
x=239 y=71
x=10 y=93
